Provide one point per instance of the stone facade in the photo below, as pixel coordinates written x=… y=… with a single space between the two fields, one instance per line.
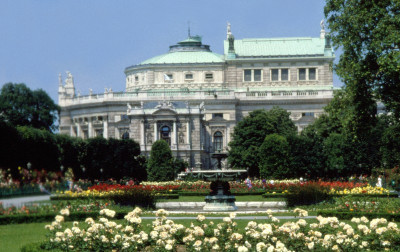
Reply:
x=193 y=98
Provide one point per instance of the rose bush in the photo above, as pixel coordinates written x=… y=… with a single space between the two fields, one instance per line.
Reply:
x=328 y=233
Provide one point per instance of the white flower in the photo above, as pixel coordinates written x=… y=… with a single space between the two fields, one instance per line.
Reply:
x=201 y=217
x=89 y=221
x=168 y=247
x=227 y=220
x=242 y=249
x=59 y=218
x=64 y=212
x=232 y=215
x=310 y=245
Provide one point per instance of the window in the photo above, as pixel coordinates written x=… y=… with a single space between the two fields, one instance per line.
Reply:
x=280 y=74
x=218 y=115
x=188 y=76
x=247 y=75
x=257 y=74
x=252 y=75
x=302 y=74
x=218 y=141
x=136 y=78
x=275 y=74
x=284 y=74
x=311 y=114
x=99 y=132
x=312 y=74
x=165 y=134
x=125 y=135
x=168 y=77
x=307 y=74
x=209 y=76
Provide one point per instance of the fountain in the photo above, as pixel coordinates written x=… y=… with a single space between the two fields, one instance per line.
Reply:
x=220 y=198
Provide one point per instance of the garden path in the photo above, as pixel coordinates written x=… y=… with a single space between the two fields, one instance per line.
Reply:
x=20 y=201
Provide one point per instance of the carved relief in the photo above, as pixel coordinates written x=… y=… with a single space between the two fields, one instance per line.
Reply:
x=149 y=138
x=181 y=138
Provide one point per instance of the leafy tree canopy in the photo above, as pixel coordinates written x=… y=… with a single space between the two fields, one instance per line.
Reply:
x=250 y=133
x=369 y=34
x=21 y=106
x=274 y=157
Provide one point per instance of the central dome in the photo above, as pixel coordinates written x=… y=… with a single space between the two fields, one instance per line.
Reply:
x=190 y=50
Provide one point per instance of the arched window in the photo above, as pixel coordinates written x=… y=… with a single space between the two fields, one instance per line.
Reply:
x=165 y=133
x=125 y=135
x=218 y=141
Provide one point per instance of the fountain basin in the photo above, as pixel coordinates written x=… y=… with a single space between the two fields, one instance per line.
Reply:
x=220 y=198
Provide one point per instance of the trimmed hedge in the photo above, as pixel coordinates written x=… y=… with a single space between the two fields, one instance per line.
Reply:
x=208 y=193
x=30 y=218
x=274 y=195
x=349 y=215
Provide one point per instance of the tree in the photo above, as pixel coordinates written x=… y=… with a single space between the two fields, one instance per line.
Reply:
x=274 y=157
x=160 y=165
x=369 y=34
x=21 y=106
x=250 y=133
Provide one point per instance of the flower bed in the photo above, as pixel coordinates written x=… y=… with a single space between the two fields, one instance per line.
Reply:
x=327 y=234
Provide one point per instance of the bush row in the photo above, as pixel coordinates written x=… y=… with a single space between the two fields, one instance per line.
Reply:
x=349 y=215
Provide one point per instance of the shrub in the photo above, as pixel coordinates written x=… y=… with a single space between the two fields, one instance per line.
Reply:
x=306 y=194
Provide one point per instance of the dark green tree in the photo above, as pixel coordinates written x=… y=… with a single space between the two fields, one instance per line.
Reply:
x=274 y=157
x=39 y=147
x=21 y=106
x=390 y=148
x=250 y=133
x=368 y=32
x=9 y=146
x=160 y=165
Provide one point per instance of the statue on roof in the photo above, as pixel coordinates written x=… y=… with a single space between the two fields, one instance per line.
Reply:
x=59 y=79
x=322 y=24
x=228 y=30
x=70 y=79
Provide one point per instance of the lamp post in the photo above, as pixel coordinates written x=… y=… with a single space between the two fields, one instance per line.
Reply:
x=62 y=168
x=29 y=165
x=101 y=172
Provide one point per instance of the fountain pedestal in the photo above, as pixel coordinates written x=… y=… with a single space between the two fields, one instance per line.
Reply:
x=220 y=198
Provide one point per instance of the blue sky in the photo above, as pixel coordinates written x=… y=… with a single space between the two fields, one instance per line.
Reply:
x=97 y=39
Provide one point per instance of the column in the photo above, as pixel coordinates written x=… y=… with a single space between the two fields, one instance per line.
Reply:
x=174 y=134
x=188 y=133
x=78 y=130
x=142 y=134
x=155 y=131
x=90 y=128
x=71 y=131
x=105 y=127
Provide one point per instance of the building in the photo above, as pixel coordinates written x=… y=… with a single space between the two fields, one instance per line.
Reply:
x=193 y=98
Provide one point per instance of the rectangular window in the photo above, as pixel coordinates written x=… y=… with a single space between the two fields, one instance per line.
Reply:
x=209 y=76
x=302 y=74
x=247 y=75
x=312 y=74
x=252 y=75
x=311 y=114
x=188 y=76
x=274 y=74
x=218 y=115
x=257 y=74
x=136 y=78
x=284 y=74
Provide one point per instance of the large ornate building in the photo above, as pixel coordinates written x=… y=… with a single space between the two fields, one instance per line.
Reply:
x=193 y=98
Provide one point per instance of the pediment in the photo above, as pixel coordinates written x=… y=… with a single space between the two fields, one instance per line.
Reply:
x=165 y=111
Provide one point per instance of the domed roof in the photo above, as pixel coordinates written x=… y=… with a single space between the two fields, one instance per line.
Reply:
x=190 y=50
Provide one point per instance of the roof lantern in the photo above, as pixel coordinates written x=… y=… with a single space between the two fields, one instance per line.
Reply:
x=192 y=43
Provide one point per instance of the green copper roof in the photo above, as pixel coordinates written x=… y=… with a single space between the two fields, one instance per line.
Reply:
x=185 y=57
x=277 y=47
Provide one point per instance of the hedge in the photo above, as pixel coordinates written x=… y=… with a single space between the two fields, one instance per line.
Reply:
x=349 y=215
x=49 y=217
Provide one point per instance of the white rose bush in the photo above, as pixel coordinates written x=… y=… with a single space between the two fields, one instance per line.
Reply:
x=322 y=234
